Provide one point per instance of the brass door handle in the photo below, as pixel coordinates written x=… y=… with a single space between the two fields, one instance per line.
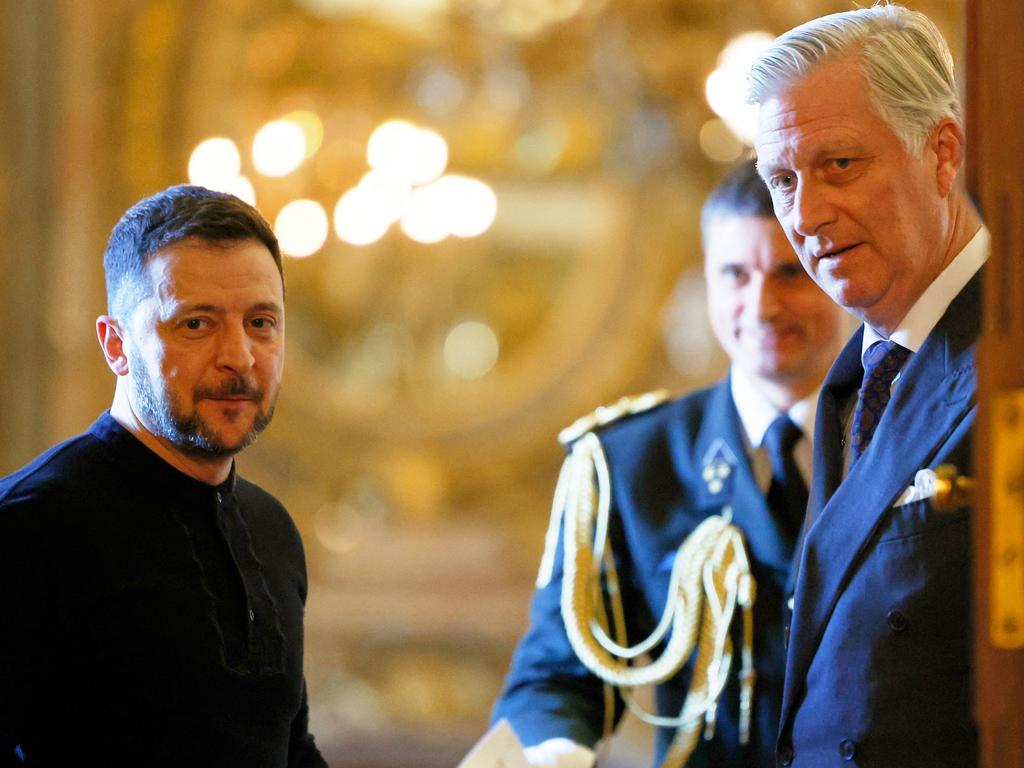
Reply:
x=952 y=490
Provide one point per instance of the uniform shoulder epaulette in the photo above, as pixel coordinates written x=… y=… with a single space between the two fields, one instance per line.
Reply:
x=606 y=414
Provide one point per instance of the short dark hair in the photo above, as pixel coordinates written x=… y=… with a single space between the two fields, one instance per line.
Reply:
x=177 y=213
x=741 y=193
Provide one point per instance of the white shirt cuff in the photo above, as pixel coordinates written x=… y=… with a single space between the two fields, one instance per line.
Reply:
x=559 y=753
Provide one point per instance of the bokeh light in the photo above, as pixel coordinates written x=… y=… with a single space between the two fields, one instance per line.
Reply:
x=241 y=187
x=425 y=218
x=388 y=142
x=358 y=220
x=726 y=87
x=278 y=148
x=437 y=88
x=718 y=141
x=507 y=85
x=301 y=228
x=471 y=349
x=452 y=205
x=540 y=149
x=312 y=128
x=430 y=159
x=214 y=163
x=405 y=184
x=469 y=205
x=388 y=194
x=399 y=148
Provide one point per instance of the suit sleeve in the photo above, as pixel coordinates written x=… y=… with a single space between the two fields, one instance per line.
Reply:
x=548 y=692
x=20 y=615
x=302 y=750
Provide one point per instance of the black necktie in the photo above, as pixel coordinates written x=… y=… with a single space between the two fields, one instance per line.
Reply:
x=787 y=494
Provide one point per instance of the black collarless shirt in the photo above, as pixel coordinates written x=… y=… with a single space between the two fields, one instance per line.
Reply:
x=147 y=618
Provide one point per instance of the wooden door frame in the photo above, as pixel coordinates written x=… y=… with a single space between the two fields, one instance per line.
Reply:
x=995 y=139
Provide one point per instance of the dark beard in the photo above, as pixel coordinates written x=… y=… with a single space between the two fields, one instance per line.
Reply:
x=163 y=415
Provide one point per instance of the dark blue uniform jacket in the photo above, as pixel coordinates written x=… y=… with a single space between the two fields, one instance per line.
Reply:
x=656 y=460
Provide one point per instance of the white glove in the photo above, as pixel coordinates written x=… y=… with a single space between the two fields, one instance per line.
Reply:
x=559 y=753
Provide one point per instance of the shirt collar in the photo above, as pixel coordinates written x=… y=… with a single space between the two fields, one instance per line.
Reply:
x=148 y=464
x=933 y=303
x=756 y=413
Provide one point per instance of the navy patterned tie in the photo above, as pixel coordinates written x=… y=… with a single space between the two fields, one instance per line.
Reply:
x=882 y=362
x=787 y=494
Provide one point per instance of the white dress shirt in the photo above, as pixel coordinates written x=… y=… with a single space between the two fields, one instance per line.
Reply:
x=929 y=309
x=757 y=414
x=924 y=315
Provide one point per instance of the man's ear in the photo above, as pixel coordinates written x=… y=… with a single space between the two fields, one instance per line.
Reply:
x=111 y=337
x=947 y=140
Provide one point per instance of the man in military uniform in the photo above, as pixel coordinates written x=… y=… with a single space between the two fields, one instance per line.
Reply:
x=741 y=446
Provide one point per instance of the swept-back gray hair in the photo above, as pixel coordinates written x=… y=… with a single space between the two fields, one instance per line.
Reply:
x=906 y=62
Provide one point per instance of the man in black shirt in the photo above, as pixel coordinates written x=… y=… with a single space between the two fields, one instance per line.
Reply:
x=152 y=600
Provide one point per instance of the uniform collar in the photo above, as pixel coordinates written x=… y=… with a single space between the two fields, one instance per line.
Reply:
x=756 y=413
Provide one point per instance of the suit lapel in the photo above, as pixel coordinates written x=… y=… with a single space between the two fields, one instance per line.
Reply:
x=840 y=384
x=935 y=393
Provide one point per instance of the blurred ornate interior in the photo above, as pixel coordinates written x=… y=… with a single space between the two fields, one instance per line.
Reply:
x=525 y=249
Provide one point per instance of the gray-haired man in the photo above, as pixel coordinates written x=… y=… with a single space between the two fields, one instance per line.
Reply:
x=861 y=143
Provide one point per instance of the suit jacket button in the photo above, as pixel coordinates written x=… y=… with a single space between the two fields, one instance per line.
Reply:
x=785 y=755
x=847 y=749
x=897 y=621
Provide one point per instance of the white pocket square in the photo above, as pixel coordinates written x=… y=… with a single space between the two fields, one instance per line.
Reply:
x=923 y=488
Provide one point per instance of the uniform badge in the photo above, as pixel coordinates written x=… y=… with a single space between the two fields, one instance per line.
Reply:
x=718 y=467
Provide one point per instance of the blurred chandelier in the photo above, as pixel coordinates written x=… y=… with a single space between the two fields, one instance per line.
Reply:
x=405 y=184
x=408 y=286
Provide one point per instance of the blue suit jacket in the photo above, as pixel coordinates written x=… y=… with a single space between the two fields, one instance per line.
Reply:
x=879 y=665
x=659 y=497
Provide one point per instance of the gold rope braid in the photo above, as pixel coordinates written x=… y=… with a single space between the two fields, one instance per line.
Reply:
x=710 y=578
